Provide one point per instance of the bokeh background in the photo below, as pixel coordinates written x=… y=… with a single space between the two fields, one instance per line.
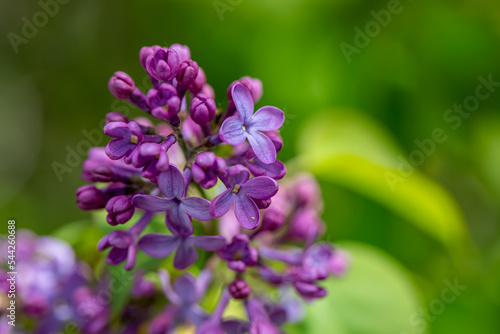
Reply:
x=349 y=120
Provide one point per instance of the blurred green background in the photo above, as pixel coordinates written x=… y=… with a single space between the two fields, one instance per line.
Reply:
x=350 y=120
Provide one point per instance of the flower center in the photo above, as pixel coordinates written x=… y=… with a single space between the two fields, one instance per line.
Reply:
x=157 y=156
x=244 y=128
x=238 y=255
x=133 y=139
x=236 y=188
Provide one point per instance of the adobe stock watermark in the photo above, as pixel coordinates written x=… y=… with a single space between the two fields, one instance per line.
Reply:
x=223 y=6
x=420 y=319
x=372 y=29
x=453 y=117
x=30 y=27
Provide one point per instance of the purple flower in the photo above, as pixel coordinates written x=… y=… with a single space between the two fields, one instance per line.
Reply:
x=248 y=125
x=199 y=82
x=242 y=192
x=120 y=210
x=180 y=209
x=145 y=52
x=206 y=168
x=163 y=64
x=161 y=245
x=188 y=71
x=305 y=226
x=202 y=109
x=238 y=254
x=121 y=85
x=252 y=84
x=182 y=50
x=128 y=137
x=164 y=103
x=91 y=198
x=124 y=243
x=99 y=168
x=154 y=158
x=239 y=289
x=322 y=260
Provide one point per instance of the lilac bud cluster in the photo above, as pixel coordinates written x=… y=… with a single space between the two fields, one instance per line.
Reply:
x=224 y=202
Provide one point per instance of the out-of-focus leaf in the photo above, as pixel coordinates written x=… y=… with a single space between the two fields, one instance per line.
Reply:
x=355 y=152
x=376 y=296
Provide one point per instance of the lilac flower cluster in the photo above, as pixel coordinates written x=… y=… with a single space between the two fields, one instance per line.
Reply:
x=212 y=173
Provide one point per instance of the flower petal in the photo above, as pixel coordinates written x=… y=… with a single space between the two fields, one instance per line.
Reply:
x=236 y=175
x=243 y=101
x=167 y=288
x=158 y=245
x=246 y=211
x=262 y=146
x=117 y=130
x=222 y=203
x=196 y=207
x=152 y=203
x=185 y=287
x=118 y=148
x=208 y=242
x=179 y=221
x=171 y=182
x=267 y=118
x=232 y=132
x=116 y=256
x=261 y=187
x=185 y=256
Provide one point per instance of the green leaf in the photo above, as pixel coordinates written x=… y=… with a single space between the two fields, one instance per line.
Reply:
x=376 y=296
x=350 y=150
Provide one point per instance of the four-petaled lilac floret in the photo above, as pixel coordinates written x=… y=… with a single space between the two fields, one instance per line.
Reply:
x=161 y=245
x=207 y=167
x=238 y=254
x=179 y=209
x=242 y=192
x=202 y=109
x=163 y=64
x=128 y=137
x=236 y=129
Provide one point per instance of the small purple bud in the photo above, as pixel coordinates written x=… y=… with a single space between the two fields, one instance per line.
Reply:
x=199 y=82
x=90 y=198
x=120 y=210
x=163 y=64
x=208 y=90
x=307 y=192
x=202 y=109
x=188 y=72
x=272 y=219
x=121 y=85
x=239 y=289
x=101 y=174
x=262 y=203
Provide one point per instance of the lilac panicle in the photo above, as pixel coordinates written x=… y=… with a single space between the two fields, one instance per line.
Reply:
x=212 y=175
x=248 y=125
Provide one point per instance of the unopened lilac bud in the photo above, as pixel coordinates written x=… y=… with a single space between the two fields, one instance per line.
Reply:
x=163 y=64
x=199 y=82
x=101 y=173
x=116 y=117
x=239 y=289
x=273 y=218
x=202 y=109
x=208 y=90
x=146 y=52
x=254 y=86
x=307 y=192
x=206 y=168
x=262 y=203
x=90 y=198
x=188 y=71
x=120 y=209
x=305 y=225
x=182 y=50
x=121 y=85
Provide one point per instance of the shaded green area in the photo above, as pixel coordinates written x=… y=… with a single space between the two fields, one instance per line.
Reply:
x=348 y=122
